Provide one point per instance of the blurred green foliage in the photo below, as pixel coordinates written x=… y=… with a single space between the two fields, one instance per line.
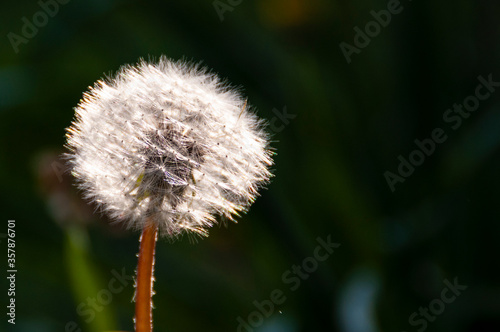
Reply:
x=352 y=121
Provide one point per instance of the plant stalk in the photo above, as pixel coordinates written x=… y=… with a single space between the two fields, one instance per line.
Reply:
x=145 y=279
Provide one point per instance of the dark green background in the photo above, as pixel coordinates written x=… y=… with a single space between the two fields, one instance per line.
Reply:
x=351 y=123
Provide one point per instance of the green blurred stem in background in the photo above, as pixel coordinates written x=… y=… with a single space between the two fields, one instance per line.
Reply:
x=86 y=283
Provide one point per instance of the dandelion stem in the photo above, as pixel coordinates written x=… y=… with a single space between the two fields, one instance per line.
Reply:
x=144 y=283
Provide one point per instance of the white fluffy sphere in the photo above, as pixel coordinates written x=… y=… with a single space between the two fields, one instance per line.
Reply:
x=168 y=142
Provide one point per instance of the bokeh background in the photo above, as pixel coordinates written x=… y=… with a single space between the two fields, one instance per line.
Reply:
x=347 y=124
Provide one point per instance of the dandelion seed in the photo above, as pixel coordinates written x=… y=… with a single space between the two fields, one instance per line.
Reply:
x=168 y=142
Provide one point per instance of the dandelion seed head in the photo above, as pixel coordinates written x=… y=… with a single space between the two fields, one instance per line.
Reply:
x=169 y=142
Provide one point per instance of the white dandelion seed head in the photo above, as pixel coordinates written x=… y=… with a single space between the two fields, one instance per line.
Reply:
x=168 y=142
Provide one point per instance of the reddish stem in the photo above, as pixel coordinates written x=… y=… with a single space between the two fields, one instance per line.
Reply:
x=144 y=283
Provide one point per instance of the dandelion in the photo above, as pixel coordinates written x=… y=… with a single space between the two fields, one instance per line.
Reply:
x=166 y=147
